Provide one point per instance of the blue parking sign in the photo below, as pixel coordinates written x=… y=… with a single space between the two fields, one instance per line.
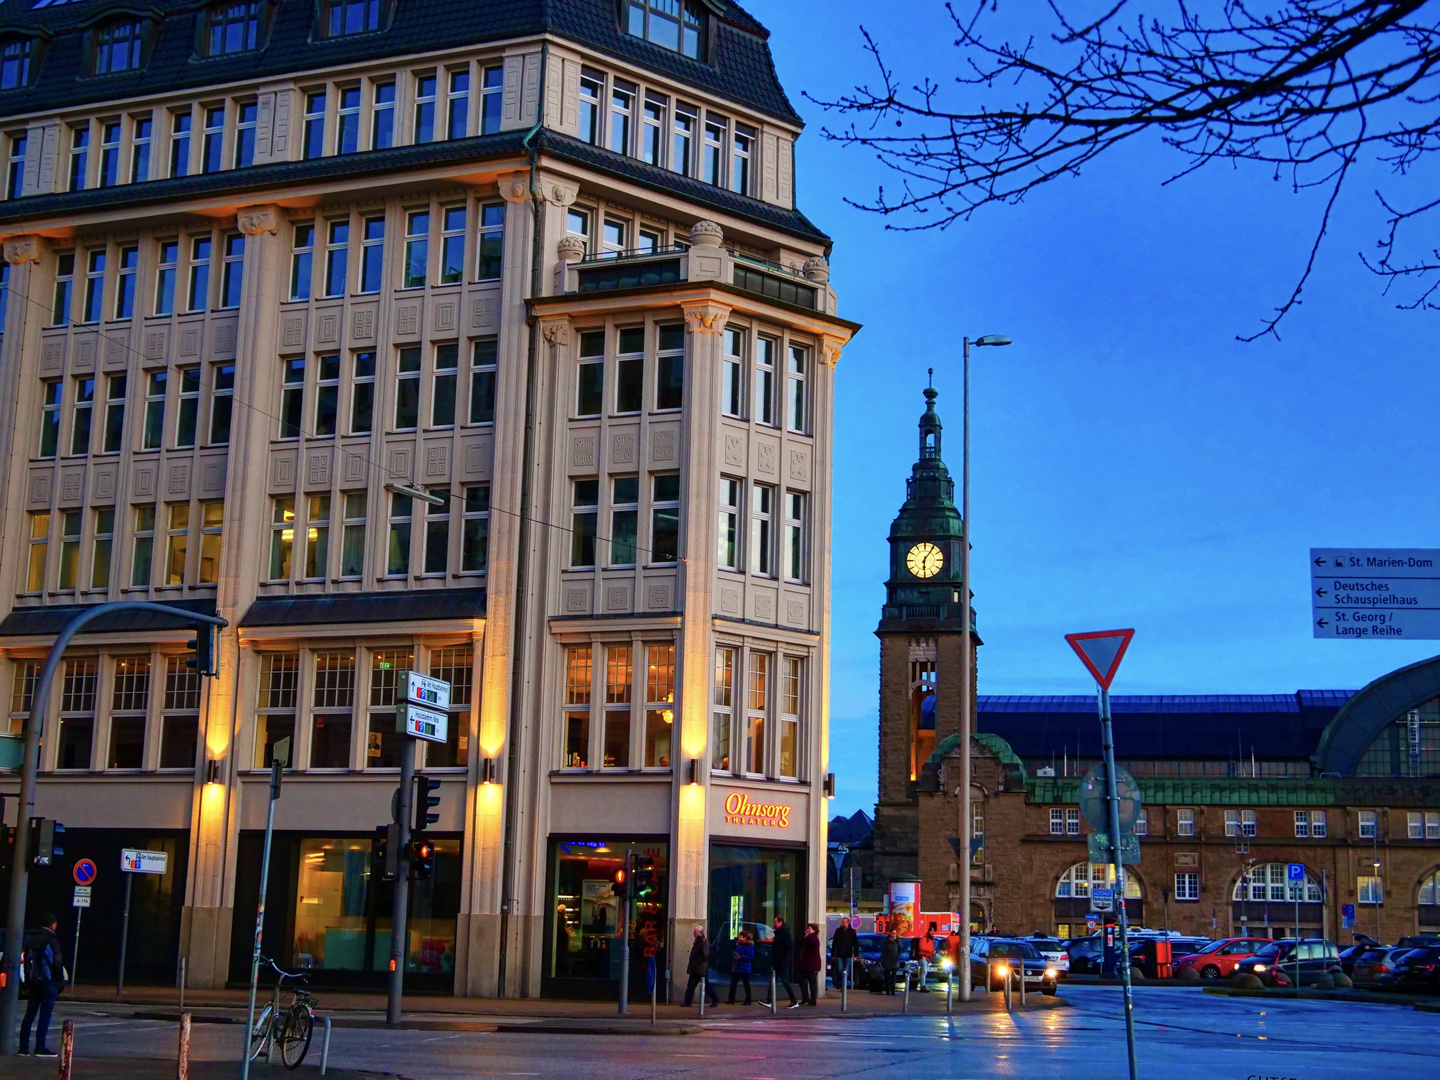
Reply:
x=1347 y=911
x=1295 y=872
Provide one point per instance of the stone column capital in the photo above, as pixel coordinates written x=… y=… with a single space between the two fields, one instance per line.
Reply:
x=830 y=351
x=254 y=220
x=515 y=186
x=706 y=317
x=556 y=331
x=556 y=192
x=22 y=249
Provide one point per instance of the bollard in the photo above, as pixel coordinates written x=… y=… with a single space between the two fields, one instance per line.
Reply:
x=182 y=984
x=950 y=992
x=182 y=1063
x=905 y=1005
x=845 y=986
x=772 y=993
x=67 y=1048
x=325 y=1046
x=654 y=986
x=1008 y=992
x=704 y=993
x=1022 y=982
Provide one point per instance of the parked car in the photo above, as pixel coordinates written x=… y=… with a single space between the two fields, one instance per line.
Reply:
x=1363 y=943
x=1052 y=951
x=869 y=975
x=994 y=960
x=1087 y=954
x=1275 y=963
x=1155 y=956
x=1419 y=941
x=1375 y=968
x=1217 y=959
x=1419 y=969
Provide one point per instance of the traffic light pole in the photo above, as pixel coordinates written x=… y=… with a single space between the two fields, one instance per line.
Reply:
x=20 y=871
x=399 y=930
x=623 y=930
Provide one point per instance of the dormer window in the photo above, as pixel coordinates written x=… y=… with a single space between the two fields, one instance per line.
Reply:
x=18 y=59
x=678 y=25
x=344 y=17
x=118 y=46
x=232 y=27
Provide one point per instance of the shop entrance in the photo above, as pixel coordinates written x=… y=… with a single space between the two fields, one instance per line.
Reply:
x=749 y=887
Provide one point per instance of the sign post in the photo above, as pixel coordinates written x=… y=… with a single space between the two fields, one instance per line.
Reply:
x=1101 y=653
x=84 y=875
x=132 y=862
x=1295 y=880
x=279 y=759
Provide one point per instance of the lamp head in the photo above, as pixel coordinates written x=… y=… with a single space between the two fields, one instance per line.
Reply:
x=993 y=339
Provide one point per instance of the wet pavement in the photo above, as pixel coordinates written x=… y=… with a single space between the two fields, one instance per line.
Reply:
x=1180 y=1034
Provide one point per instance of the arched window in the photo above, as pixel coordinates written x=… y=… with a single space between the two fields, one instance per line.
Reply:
x=1430 y=889
x=118 y=46
x=1267 y=882
x=678 y=25
x=232 y=27
x=1078 y=880
x=19 y=57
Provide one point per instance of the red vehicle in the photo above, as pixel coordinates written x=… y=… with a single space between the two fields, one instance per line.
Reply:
x=1218 y=959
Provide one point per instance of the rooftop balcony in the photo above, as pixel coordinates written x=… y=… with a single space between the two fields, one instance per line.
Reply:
x=705 y=258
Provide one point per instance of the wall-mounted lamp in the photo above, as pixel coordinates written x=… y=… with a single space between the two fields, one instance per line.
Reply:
x=694 y=770
x=487 y=771
x=212 y=771
x=829 y=788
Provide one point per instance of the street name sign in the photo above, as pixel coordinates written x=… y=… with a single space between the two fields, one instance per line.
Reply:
x=421 y=723
x=1370 y=593
x=133 y=861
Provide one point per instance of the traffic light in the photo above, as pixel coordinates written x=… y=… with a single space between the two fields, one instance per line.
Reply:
x=385 y=852
x=424 y=785
x=618 y=882
x=43 y=834
x=203 y=645
x=644 y=884
x=422 y=859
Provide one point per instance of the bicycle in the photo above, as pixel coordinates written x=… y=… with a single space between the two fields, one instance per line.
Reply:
x=291 y=1028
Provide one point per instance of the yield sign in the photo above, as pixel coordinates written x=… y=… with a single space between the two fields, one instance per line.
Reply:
x=1101 y=651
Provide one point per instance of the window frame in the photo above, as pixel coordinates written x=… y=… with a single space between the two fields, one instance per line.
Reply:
x=101 y=42
x=255 y=21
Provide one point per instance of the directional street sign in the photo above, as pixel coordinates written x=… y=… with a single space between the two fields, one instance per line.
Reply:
x=133 y=861
x=421 y=723
x=1102 y=899
x=423 y=690
x=1101 y=652
x=1367 y=593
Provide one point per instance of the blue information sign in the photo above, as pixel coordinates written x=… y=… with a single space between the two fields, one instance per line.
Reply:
x=1295 y=872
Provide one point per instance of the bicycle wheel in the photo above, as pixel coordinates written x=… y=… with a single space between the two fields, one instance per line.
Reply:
x=295 y=1035
x=259 y=1034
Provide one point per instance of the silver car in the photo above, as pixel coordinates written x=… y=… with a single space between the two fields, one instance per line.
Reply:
x=1053 y=952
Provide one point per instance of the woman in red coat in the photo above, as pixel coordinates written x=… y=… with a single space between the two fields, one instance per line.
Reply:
x=810 y=962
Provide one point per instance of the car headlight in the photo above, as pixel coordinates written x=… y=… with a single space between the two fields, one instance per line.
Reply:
x=1259 y=968
x=1050 y=973
x=947 y=964
x=1002 y=969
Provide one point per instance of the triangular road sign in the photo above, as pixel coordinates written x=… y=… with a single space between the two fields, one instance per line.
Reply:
x=1101 y=651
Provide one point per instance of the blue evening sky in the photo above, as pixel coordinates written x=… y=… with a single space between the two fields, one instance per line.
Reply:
x=1133 y=464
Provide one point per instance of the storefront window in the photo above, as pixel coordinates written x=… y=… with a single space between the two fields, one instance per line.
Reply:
x=749 y=888
x=584 y=942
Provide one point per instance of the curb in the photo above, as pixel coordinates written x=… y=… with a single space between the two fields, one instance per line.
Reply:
x=1360 y=997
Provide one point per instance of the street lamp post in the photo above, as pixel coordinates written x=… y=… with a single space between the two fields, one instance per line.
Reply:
x=967 y=826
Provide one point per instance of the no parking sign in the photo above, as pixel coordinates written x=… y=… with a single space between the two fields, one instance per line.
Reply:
x=85 y=872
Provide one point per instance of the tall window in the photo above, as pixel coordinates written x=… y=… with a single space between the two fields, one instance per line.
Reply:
x=444 y=388
x=398 y=560
x=302 y=260
x=15 y=168
x=180 y=144
x=337 y=258
x=315 y=125
x=1057 y=821
x=129 y=704
x=39 y=548
x=796 y=413
x=592 y=88
x=177 y=543
x=417 y=249
x=94 y=285
x=1184 y=822
x=452 y=244
x=125 y=283
x=166 y=270
x=332 y=706
x=343 y=17
x=583 y=519
x=491 y=99
x=790 y=696
x=362 y=392
x=383 y=747
x=590 y=385
x=457 y=667
x=665 y=518
x=114 y=414
x=77 y=714
x=458 y=104
x=483 y=370
x=51 y=391
x=117 y=46
x=64 y=289
x=1142 y=822
x=110 y=154
x=1317 y=824
x=1367 y=824
x=347 y=120
x=222 y=403
x=140 y=567
x=622 y=116
x=490 y=254
x=732 y=373
x=199 y=294
x=723 y=708
x=425 y=90
x=292 y=397
x=327 y=395
x=670 y=367
x=352 y=542
x=382 y=117
x=232 y=275
x=212 y=143
x=659 y=706
x=652 y=130
x=765 y=350
x=407 y=389
x=103 y=548
x=84 y=416
x=1247 y=822
x=79 y=157
x=437 y=533
x=246 y=115
x=729 y=524
x=140 y=138
x=624 y=519
x=762 y=526
x=757 y=706
x=630 y=370
x=71 y=528
x=282 y=538
x=475 y=541
x=712 y=169
x=1369 y=889
x=1232 y=822
x=275 y=706
x=741 y=152
x=180 y=722
x=234 y=27
x=212 y=524
x=682 y=139
x=372 y=255
x=795 y=536
x=15 y=65
x=578 y=673
x=678 y=25
x=619 y=694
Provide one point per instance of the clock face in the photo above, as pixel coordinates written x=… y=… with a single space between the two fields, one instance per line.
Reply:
x=925 y=560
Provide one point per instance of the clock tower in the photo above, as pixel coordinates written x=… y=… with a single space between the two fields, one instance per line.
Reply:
x=920 y=650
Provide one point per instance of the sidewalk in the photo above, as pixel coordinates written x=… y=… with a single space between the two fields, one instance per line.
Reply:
x=99 y=1068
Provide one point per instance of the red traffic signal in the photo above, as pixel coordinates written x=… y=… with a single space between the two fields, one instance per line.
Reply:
x=422 y=859
x=618 y=882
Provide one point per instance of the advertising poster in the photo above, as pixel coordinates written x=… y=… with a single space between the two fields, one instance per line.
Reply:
x=904 y=907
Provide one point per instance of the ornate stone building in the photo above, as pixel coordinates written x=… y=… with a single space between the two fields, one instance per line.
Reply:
x=270 y=267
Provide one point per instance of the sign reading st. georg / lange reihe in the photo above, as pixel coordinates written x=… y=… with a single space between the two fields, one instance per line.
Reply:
x=1370 y=593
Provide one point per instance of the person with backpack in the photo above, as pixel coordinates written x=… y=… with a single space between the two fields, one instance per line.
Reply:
x=741 y=964
x=44 y=972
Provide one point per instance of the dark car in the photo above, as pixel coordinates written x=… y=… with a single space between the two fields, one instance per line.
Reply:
x=1087 y=955
x=869 y=975
x=1363 y=944
x=993 y=961
x=1418 y=969
x=1275 y=964
x=1419 y=941
x=1374 y=969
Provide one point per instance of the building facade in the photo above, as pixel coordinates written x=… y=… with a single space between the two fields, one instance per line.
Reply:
x=271 y=267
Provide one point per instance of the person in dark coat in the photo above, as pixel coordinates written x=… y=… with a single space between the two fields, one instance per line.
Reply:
x=890 y=960
x=811 y=963
x=699 y=969
x=742 y=963
x=44 y=970
x=782 y=956
x=844 y=947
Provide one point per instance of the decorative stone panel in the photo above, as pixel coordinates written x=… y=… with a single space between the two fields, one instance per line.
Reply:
x=117 y=350
x=577 y=599
x=730 y=600
x=190 y=340
x=477 y=457
x=485 y=313
x=800 y=464
x=407 y=320
x=735 y=449
x=103 y=482
x=401 y=461
x=84 y=353
x=355 y=467
x=52 y=356
x=157 y=344
x=443 y=317
x=617 y=597
x=226 y=331
x=762 y=605
x=177 y=480
x=437 y=462
x=767 y=451
x=212 y=477
x=362 y=325
x=143 y=485
x=292 y=331
x=797 y=610
x=72 y=485
x=582 y=451
x=658 y=594
x=664 y=446
x=42 y=484
x=282 y=470
x=318 y=468
x=622 y=448
x=327 y=327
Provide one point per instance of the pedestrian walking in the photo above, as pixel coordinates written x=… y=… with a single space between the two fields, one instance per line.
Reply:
x=45 y=976
x=890 y=960
x=741 y=964
x=699 y=969
x=844 y=947
x=927 y=957
x=782 y=958
x=811 y=963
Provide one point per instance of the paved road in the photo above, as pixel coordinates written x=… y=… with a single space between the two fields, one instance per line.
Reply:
x=1181 y=1034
